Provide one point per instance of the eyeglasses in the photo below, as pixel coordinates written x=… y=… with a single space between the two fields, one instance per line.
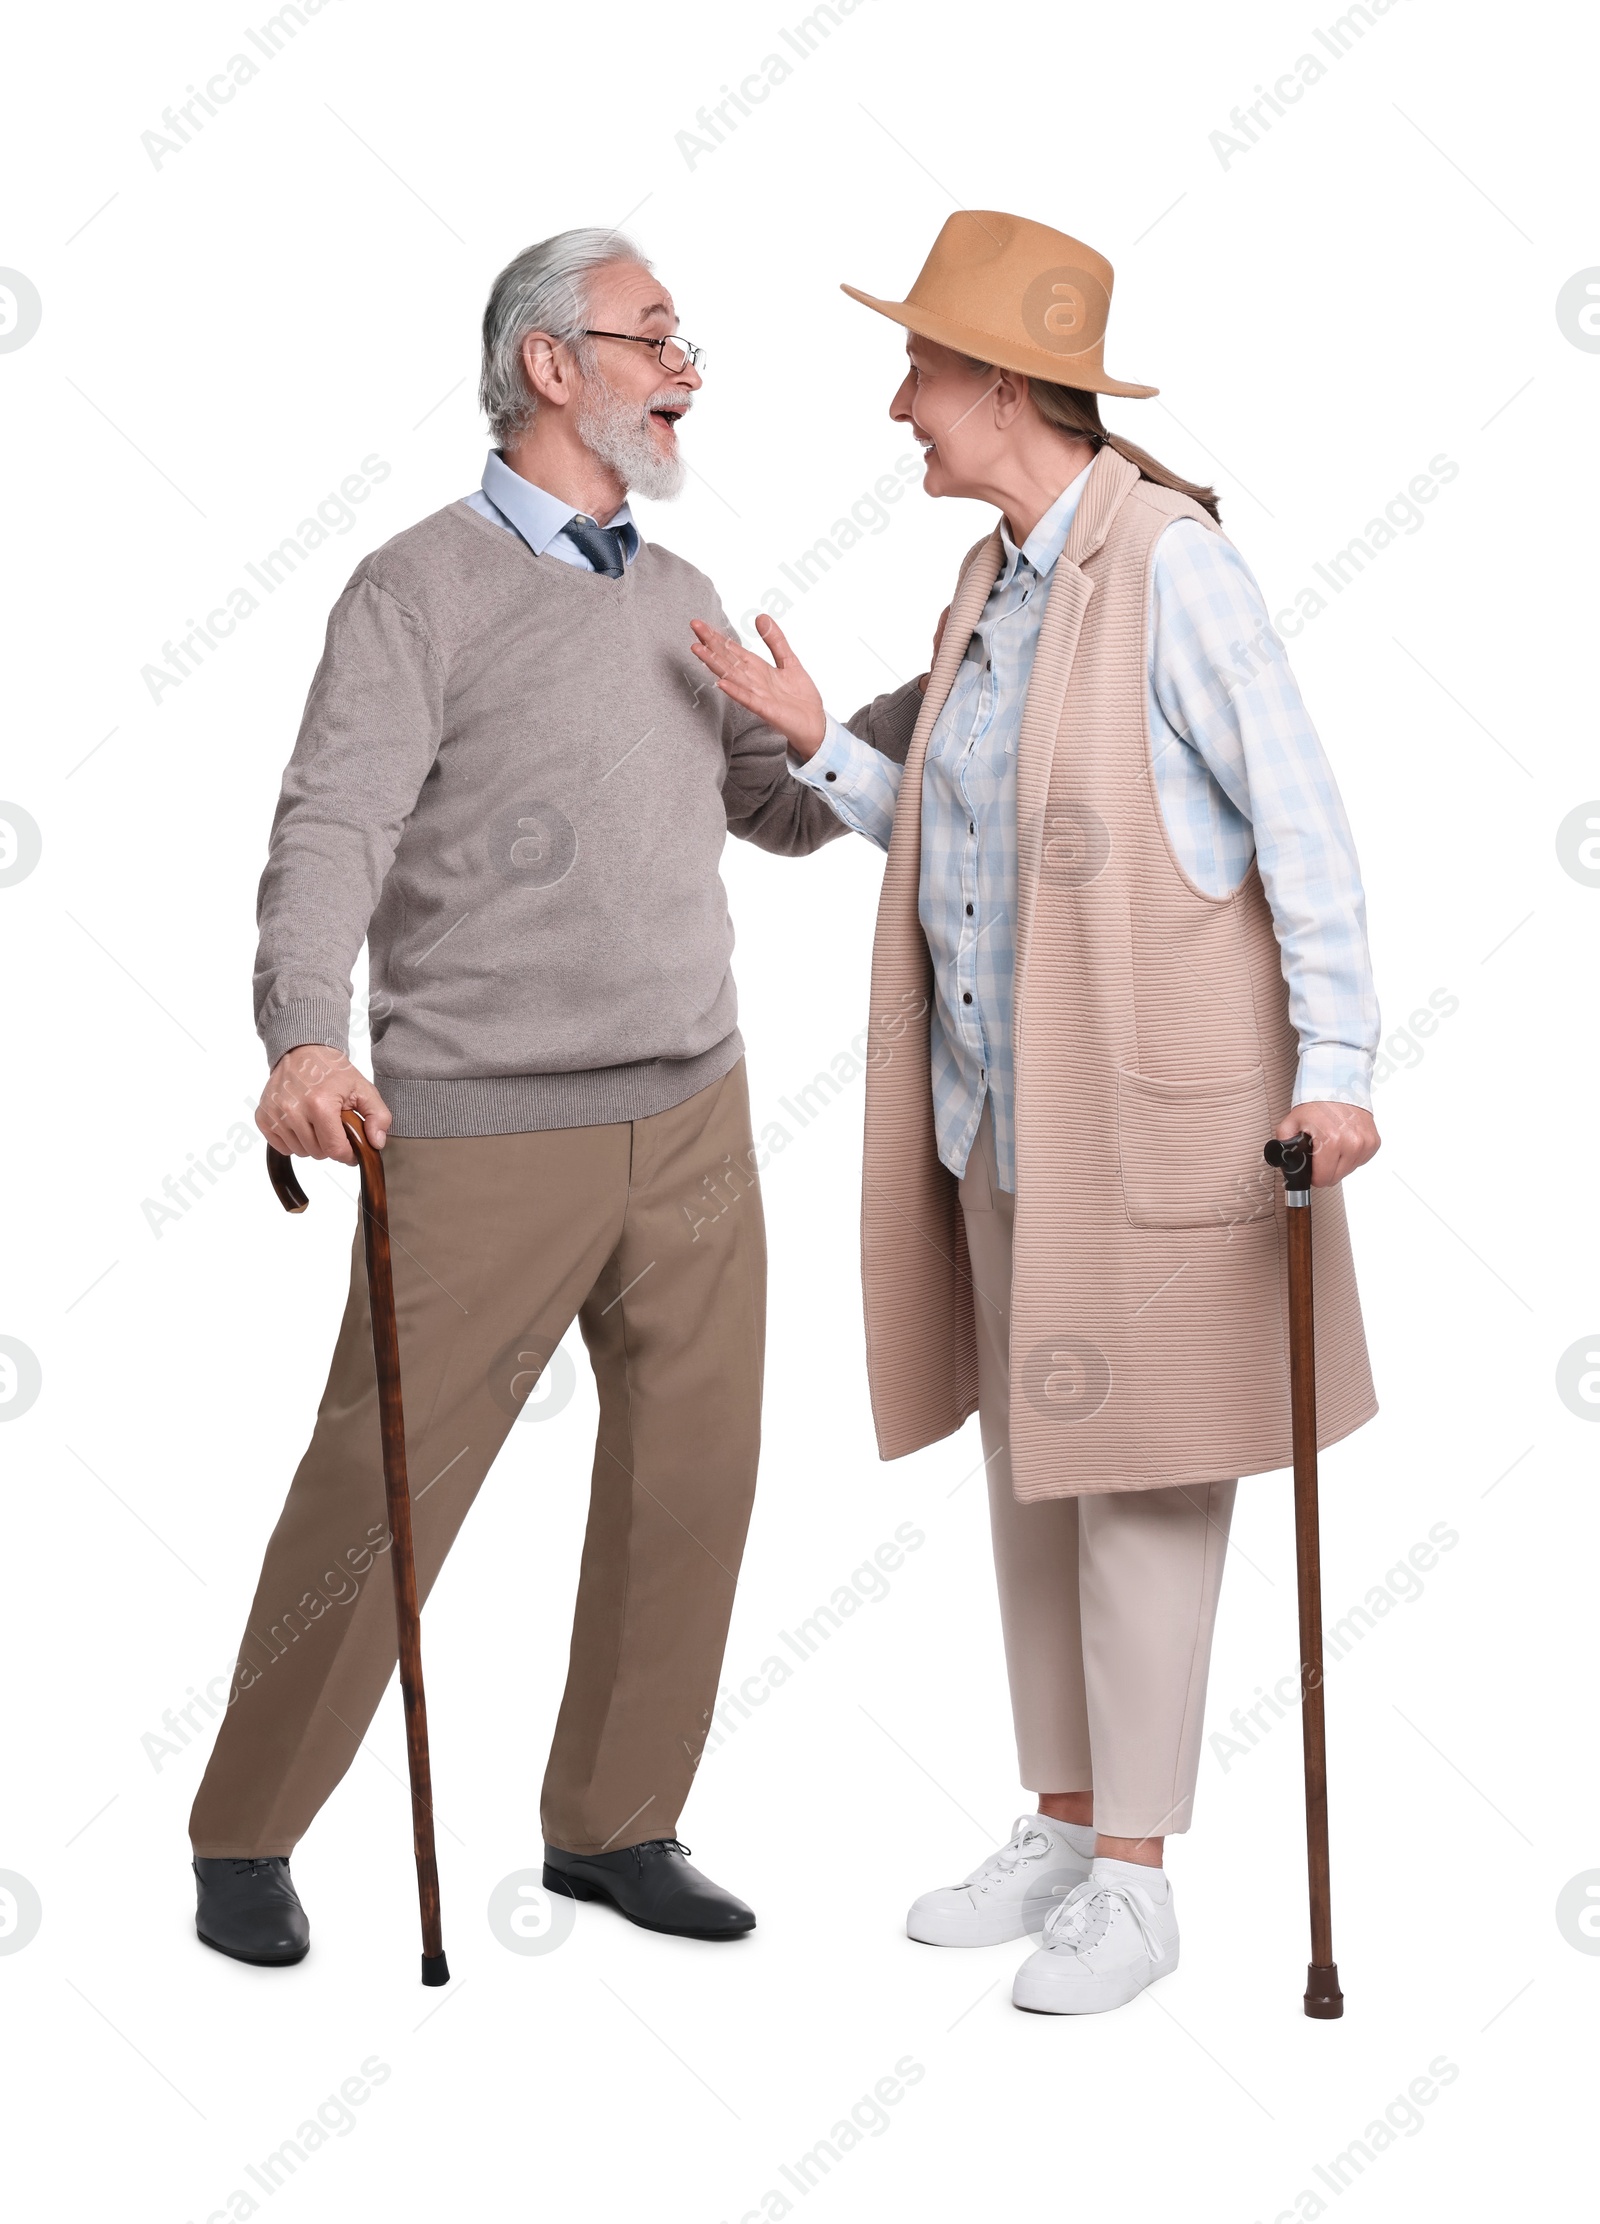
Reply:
x=676 y=354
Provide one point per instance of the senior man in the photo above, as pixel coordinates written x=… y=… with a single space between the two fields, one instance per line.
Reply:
x=513 y=780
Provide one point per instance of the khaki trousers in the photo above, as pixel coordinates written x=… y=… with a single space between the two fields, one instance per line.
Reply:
x=651 y=1233
x=1107 y=1602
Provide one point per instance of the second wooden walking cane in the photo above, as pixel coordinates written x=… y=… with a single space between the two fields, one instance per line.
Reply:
x=397 y=1492
x=1323 y=1997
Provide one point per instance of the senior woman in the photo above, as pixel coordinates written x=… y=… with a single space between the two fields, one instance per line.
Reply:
x=1120 y=941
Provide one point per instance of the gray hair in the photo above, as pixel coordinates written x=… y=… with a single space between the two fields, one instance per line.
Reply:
x=544 y=289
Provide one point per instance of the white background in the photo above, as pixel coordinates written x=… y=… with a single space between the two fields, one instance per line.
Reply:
x=224 y=338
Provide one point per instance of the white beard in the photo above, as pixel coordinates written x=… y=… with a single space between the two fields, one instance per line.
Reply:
x=618 y=433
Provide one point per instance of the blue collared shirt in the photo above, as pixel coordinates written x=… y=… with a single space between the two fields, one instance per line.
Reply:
x=542 y=519
x=1240 y=774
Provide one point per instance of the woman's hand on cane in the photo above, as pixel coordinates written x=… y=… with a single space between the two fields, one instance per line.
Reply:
x=1343 y=1137
x=782 y=693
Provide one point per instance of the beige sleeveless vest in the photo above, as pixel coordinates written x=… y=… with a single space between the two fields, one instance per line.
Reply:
x=1154 y=1056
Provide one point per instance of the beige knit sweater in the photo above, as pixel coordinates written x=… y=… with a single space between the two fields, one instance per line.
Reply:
x=514 y=780
x=1154 y=1056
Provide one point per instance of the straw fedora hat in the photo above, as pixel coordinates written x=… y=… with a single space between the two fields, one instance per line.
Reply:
x=1014 y=294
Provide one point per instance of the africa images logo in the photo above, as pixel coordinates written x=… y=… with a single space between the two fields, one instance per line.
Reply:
x=1065 y=310
x=1066 y=1378
x=20 y=310
x=533 y=843
x=1070 y=841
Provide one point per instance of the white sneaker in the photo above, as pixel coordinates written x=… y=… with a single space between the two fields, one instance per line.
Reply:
x=1107 y=1940
x=1008 y=1896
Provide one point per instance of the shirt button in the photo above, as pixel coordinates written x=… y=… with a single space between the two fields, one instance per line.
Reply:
x=969 y=911
x=830 y=776
x=971 y=827
x=966 y=996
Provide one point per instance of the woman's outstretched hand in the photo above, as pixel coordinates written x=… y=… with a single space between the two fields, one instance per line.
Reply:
x=781 y=693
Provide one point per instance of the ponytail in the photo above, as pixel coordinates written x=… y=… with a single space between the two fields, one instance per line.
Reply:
x=1072 y=409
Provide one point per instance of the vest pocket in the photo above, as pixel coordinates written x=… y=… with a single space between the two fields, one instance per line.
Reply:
x=1190 y=1151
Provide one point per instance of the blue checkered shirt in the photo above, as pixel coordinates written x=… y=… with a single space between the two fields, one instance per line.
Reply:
x=1239 y=772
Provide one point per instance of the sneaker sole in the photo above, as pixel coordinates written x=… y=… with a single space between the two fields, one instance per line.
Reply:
x=1026 y=1922
x=1094 y=1999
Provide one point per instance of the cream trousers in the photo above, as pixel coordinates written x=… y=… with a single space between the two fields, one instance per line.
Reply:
x=1107 y=1602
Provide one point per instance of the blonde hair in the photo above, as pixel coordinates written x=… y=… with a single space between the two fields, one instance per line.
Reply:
x=1074 y=410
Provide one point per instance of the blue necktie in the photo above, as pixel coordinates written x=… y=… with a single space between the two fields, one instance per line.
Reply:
x=602 y=544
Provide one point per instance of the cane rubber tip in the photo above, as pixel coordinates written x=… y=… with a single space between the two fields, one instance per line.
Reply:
x=436 y=1970
x=1324 y=2000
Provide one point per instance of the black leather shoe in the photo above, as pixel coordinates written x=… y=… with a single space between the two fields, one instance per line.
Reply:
x=251 y=1910
x=654 y=1886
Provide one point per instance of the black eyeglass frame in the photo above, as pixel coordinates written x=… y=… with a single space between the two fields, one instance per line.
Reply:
x=693 y=357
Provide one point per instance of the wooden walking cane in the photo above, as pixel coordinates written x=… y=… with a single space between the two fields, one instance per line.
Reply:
x=1323 y=1997
x=392 y=1426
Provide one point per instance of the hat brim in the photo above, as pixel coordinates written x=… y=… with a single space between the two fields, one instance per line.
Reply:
x=986 y=347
